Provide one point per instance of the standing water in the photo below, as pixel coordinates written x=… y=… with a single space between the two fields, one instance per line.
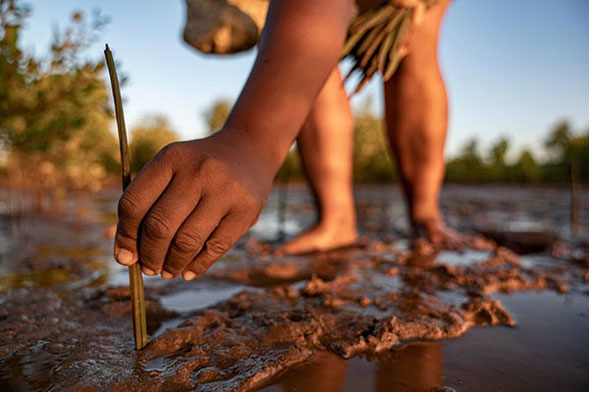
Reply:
x=503 y=311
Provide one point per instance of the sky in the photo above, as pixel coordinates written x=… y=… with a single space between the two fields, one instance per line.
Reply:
x=513 y=68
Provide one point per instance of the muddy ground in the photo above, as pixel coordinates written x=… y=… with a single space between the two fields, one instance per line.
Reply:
x=388 y=314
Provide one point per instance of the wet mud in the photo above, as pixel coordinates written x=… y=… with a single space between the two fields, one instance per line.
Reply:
x=256 y=321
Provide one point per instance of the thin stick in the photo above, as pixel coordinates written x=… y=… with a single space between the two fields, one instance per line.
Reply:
x=136 y=287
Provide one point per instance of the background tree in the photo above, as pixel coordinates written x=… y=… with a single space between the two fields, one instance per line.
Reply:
x=579 y=156
x=148 y=138
x=569 y=154
x=373 y=163
x=372 y=160
x=55 y=125
x=526 y=169
x=498 y=167
x=217 y=115
x=468 y=167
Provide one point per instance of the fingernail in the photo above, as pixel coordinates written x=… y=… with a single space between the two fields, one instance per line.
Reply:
x=124 y=257
x=148 y=271
x=189 y=275
x=167 y=275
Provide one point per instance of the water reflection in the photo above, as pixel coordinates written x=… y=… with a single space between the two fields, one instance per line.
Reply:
x=417 y=366
x=29 y=372
x=326 y=373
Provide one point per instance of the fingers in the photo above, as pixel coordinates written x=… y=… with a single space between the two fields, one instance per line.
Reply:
x=190 y=238
x=162 y=222
x=230 y=229
x=135 y=202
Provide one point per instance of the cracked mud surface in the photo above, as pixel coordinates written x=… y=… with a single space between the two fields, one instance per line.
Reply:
x=256 y=319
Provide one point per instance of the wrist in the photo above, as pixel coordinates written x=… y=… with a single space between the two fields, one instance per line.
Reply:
x=270 y=151
x=248 y=143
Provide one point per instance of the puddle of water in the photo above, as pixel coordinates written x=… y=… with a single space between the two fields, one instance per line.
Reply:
x=35 y=370
x=117 y=274
x=540 y=261
x=382 y=282
x=548 y=350
x=467 y=257
x=200 y=297
x=524 y=358
x=267 y=227
x=418 y=366
x=166 y=325
x=43 y=278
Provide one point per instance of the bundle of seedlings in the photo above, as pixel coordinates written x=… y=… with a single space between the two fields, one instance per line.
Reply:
x=377 y=40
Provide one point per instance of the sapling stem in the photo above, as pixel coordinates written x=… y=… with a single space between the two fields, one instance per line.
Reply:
x=136 y=287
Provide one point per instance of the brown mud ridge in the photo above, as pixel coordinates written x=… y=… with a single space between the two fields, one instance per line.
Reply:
x=362 y=301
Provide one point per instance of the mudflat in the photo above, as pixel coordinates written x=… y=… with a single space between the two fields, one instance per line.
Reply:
x=506 y=308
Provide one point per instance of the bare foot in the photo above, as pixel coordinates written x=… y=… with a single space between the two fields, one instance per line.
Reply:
x=437 y=233
x=321 y=238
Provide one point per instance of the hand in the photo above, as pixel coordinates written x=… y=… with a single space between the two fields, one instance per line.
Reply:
x=418 y=7
x=191 y=203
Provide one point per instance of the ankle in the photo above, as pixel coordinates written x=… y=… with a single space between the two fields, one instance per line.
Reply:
x=426 y=221
x=341 y=212
x=338 y=221
x=425 y=214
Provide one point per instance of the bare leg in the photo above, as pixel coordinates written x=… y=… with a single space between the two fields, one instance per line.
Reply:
x=416 y=116
x=325 y=145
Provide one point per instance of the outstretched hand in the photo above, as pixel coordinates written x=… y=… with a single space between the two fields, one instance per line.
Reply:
x=191 y=203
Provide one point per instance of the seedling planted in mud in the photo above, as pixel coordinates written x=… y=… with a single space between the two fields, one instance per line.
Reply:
x=136 y=287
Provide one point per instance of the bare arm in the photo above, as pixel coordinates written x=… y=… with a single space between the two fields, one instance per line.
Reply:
x=195 y=199
x=302 y=43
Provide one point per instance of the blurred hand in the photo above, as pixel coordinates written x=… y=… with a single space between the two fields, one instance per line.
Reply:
x=191 y=203
x=418 y=7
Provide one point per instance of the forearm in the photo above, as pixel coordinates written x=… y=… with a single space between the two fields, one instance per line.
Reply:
x=302 y=42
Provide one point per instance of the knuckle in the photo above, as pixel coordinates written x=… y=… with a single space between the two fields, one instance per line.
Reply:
x=169 y=152
x=170 y=149
x=127 y=205
x=217 y=170
x=254 y=202
x=155 y=227
x=211 y=164
x=250 y=201
x=217 y=247
x=186 y=242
